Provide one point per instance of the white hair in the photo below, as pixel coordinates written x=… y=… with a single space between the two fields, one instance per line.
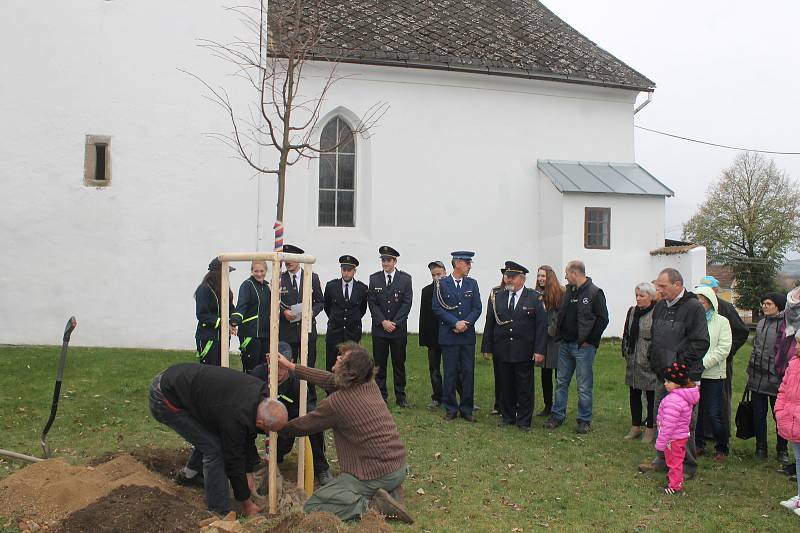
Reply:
x=647 y=288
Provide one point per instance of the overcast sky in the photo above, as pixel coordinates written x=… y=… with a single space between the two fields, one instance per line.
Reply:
x=725 y=72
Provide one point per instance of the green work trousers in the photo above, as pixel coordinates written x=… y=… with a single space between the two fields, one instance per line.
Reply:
x=348 y=497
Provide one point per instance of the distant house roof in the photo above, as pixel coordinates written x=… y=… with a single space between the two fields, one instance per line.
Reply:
x=724 y=275
x=611 y=178
x=673 y=247
x=506 y=37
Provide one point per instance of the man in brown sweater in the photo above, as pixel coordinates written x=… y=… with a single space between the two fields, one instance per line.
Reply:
x=371 y=456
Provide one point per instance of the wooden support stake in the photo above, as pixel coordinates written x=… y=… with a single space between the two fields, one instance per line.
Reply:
x=224 y=311
x=305 y=327
x=274 y=320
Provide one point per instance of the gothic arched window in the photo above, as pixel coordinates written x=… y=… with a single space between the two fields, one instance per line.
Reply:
x=337 y=179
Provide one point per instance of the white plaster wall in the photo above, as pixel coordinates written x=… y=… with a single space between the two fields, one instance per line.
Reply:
x=637 y=226
x=451 y=165
x=691 y=265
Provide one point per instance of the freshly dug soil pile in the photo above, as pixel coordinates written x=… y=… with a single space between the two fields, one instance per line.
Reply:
x=321 y=523
x=135 y=509
x=372 y=522
x=162 y=461
x=53 y=489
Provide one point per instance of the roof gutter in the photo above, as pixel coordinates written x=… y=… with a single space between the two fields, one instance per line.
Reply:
x=643 y=104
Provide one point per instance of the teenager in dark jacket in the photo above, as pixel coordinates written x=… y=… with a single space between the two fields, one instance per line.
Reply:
x=679 y=334
x=219 y=411
x=252 y=316
x=429 y=333
x=207 y=310
x=582 y=318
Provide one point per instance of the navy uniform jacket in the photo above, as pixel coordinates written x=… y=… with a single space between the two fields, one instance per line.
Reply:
x=344 y=317
x=467 y=306
x=392 y=304
x=428 y=322
x=207 y=312
x=290 y=332
x=524 y=336
x=252 y=309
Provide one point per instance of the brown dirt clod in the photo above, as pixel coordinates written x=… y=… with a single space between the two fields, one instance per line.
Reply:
x=321 y=522
x=135 y=509
x=373 y=522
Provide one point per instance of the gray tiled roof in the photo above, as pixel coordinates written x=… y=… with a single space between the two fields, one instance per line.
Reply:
x=508 y=37
x=610 y=178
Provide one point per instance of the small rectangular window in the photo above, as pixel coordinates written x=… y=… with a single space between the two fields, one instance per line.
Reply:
x=97 y=161
x=597 y=228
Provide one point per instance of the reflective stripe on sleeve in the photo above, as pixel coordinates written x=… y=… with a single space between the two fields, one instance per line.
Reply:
x=244 y=344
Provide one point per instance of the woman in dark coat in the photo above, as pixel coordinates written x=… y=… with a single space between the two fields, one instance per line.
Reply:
x=762 y=377
x=207 y=310
x=639 y=376
x=252 y=317
x=552 y=295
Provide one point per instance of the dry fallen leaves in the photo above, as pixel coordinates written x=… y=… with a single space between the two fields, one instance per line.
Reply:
x=421 y=491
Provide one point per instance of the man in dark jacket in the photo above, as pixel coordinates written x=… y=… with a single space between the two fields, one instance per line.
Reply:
x=219 y=411
x=740 y=333
x=679 y=334
x=516 y=335
x=581 y=321
x=390 y=298
x=429 y=333
x=291 y=295
x=345 y=304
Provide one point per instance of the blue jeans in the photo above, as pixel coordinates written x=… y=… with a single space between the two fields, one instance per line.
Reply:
x=711 y=396
x=578 y=360
x=796 y=446
x=458 y=361
x=206 y=445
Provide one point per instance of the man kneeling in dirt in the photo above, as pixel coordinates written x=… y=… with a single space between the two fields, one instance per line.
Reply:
x=371 y=456
x=219 y=411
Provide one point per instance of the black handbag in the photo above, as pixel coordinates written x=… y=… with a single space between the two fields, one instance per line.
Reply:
x=745 y=428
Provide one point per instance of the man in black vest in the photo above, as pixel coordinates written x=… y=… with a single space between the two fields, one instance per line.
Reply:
x=292 y=294
x=345 y=304
x=429 y=334
x=390 y=299
x=515 y=335
x=581 y=321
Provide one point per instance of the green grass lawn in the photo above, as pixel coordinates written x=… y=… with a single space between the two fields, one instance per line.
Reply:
x=465 y=477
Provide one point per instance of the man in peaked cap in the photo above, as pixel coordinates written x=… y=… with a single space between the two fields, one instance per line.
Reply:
x=516 y=336
x=345 y=304
x=390 y=298
x=291 y=294
x=456 y=301
x=429 y=333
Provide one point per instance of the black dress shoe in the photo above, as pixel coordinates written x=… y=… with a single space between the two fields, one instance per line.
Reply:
x=469 y=418
x=403 y=404
x=525 y=429
x=450 y=416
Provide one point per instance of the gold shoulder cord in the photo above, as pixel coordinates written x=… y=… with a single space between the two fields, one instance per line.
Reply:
x=493 y=298
x=441 y=300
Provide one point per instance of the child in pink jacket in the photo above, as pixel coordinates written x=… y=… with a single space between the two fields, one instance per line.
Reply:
x=674 y=418
x=787 y=418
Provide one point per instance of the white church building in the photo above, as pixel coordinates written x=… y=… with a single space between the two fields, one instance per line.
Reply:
x=507 y=132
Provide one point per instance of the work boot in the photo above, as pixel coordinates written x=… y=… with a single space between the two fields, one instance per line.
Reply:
x=783 y=457
x=552 y=423
x=195 y=481
x=398 y=493
x=324 y=477
x=649 y=435
x=583 y=427
x=634 y=433
x=383 y=503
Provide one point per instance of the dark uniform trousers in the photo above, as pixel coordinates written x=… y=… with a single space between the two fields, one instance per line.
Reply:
x=393 y=303
x=516 y=386
x=255 y=353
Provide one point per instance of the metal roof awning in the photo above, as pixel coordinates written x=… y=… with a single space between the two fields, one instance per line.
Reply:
x=609 y=178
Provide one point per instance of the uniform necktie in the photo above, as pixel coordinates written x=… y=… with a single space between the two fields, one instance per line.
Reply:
x=458 y=284
x=388 y=279
x=346 y=292
x=513 y=302
x=294 y=281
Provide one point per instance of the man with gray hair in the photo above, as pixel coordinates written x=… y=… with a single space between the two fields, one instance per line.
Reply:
x=582 y=319
x=679 y=335
x=219 y=411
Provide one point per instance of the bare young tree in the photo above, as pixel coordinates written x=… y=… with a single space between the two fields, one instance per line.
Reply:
x=749 y=221
x=281 y=117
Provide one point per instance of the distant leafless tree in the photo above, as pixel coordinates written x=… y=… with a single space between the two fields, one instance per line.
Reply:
x=271 y=60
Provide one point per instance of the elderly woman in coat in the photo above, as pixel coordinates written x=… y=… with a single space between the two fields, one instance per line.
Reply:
x=638 y=375
x=763 y=379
